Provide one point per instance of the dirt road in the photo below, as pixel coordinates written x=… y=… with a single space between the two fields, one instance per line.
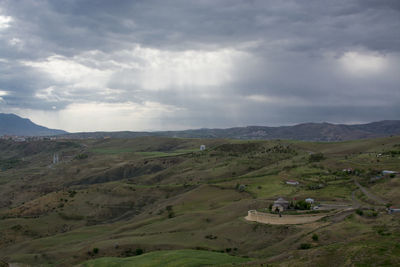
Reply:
x=371 y=196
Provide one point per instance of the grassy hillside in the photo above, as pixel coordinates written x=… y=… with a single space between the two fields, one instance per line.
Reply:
x=190 y=258
x=108 y=199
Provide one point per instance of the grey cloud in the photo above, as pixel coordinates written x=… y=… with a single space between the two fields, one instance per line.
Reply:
x=68 y=26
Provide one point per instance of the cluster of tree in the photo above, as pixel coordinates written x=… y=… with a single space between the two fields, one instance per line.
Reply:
x=82 y=156
x=316 y=157
x=129 y=252
x=300 y=205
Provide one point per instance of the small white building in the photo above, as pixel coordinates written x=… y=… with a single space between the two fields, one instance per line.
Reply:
x=393 y=210
x=385 y=172
x=202 y=147
x=310 y=200
x=292 y=182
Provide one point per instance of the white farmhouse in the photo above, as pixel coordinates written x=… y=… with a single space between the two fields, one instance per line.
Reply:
x=292 y=182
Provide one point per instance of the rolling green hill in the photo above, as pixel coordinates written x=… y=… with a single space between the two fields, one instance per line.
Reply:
x=110 y=200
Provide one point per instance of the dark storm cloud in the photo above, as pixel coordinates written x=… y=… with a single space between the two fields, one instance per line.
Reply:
x=292 y=61
x=109 y=25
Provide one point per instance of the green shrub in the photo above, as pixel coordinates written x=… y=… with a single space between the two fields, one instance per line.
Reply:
x=305 y=246
x=315 y=237
x=171 y=213
x=139 y=251
x=241 y=188
x=95 y=250
x=359 y=212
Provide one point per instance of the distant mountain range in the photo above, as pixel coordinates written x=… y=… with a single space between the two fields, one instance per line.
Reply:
x=11 y=124
x=305 y=131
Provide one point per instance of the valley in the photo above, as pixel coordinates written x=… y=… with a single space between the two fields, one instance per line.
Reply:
x=149 y=198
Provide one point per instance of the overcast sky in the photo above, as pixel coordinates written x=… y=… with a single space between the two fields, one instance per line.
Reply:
x=88 y=65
